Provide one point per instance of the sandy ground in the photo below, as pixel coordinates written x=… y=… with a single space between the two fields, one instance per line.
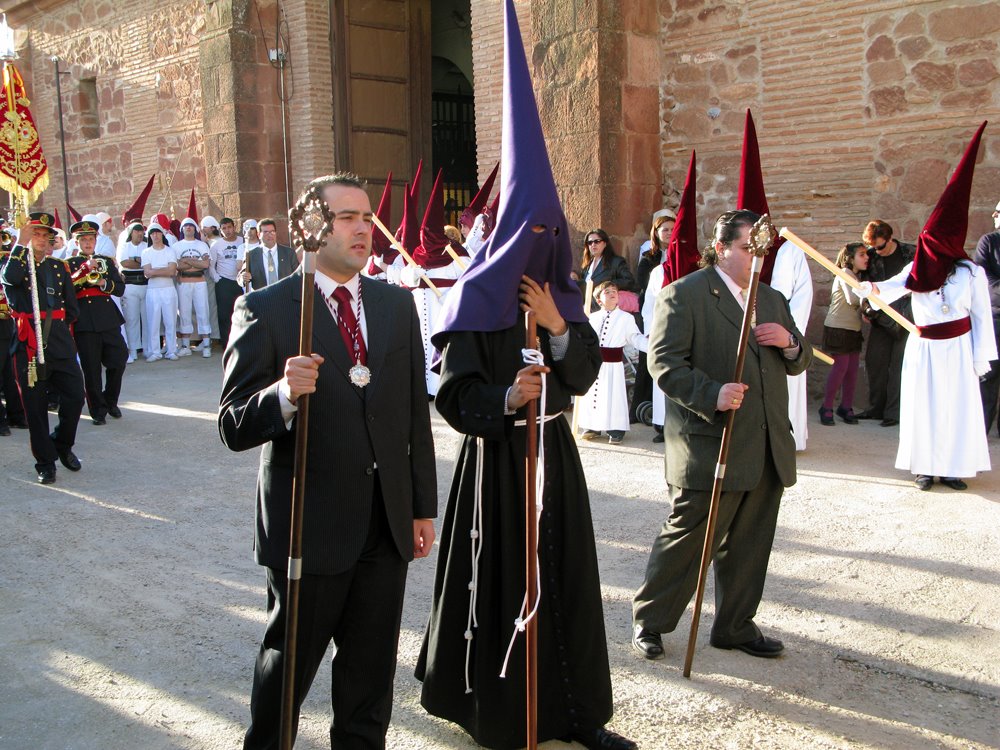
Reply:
x=131 y=609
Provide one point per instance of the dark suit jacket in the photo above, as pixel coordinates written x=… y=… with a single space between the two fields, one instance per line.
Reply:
x=350 y=429
x=692 y=354
x=287 y=262
x=55 y=292
x=99 y=312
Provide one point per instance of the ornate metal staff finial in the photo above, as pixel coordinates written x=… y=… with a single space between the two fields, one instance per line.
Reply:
x=309 y=221
x=762 y=236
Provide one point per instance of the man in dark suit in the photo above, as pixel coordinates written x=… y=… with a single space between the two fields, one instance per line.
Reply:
x=268 y=262
x=692 y=356
x=98 y=331
x=58 y=309
x=370 y=489
x=987 y=255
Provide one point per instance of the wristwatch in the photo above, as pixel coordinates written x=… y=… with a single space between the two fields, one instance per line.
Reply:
x=792 y=341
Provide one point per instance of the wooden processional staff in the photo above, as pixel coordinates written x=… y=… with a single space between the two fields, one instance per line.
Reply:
x=308 y=223
x=761 y=238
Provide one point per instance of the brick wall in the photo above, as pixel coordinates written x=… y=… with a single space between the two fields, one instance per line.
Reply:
x=862 y=107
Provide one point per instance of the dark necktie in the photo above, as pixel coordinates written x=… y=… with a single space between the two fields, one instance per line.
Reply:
x=270 y=266
x=350 y=331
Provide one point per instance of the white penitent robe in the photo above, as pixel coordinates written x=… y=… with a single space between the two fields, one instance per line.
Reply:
x=791 y=277
x=429 y=307
x=941 y=429
x=605 y=405
x=652 y=290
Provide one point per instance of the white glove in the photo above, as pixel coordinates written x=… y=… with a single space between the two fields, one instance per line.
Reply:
x=410 y=277
x=981 y=368
x=863 y=290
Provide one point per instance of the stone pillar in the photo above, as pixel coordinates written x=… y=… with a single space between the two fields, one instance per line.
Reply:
x=242 y=114
x=596 y=71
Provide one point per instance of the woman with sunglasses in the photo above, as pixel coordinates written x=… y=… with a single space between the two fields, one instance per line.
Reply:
x=601 y=263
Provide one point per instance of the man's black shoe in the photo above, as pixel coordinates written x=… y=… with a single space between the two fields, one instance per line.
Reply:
x=954 y=483
x=602 y=739
x=847 y=415
x=762 y=646
x=18 y=424
x=99 y=421
x=887 y=422
x=647 y=643
x=923 y=482
x=658 y=437
x=4 y=429
x=69 y=460
x=115 y=412
x=868 y=414
x=47 y=476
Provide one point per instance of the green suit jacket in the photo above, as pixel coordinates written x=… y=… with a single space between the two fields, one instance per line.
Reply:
x=692 y=354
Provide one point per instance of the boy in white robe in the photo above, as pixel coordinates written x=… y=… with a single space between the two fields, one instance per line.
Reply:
x=605 y=405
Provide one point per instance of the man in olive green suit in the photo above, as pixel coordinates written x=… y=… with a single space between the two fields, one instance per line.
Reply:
x=692 y=356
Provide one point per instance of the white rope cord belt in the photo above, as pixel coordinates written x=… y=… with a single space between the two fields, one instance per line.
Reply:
x=533 y=357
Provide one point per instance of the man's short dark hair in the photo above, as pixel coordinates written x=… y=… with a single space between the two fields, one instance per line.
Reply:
x=267 y=222
x=344 y=179
x=727 y=228
x=876 y=230
x=226 y=220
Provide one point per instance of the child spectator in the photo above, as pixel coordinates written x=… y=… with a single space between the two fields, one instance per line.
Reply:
x=842 y=336
x=605 y=405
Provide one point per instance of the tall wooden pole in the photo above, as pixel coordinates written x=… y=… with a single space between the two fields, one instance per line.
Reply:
x=309 y=222
x=531 y=548
x=761 y=238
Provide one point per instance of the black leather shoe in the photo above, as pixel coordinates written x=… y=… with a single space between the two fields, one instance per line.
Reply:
x=826 y=417
x=658 y=437
x=762 y=646
x=847 y=415
x=98 y=421
x=953 y=483
x=115 y=412
x=868 y=414
x=889 y=422
x=69 y=460
x=18 y=424
x=602 y=739
x=647 y=643
x=47 y=476
x=4 y=429
x=923 y=482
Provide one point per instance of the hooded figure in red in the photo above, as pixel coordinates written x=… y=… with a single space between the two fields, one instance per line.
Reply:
x=941 y=429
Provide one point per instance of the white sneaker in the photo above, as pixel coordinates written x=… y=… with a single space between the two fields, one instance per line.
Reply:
x=154 y=358
x=131 y=358
x=184 y=352
x=171 y=357
x=205 y=344
x=206 y=353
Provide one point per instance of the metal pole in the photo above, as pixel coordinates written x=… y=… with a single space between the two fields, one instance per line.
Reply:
x=62 y=134
x=284 y=133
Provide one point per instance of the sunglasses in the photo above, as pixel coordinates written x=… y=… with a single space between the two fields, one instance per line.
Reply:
x=595 y=242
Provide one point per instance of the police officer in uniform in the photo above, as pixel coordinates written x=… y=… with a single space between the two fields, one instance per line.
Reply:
x=13 y=414
x=98 y=330
x=58 y=309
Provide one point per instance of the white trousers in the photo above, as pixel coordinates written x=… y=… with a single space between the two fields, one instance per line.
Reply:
x=134 y=310
x=161 y=307
x=193 y=295
x=213 y=312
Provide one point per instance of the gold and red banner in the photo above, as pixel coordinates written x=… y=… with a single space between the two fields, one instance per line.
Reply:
x=23 y=171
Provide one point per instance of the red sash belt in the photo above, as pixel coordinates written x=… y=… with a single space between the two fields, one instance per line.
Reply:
x=950 y=329
x=612 y=354
x=91 y=291
x=26 y=327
